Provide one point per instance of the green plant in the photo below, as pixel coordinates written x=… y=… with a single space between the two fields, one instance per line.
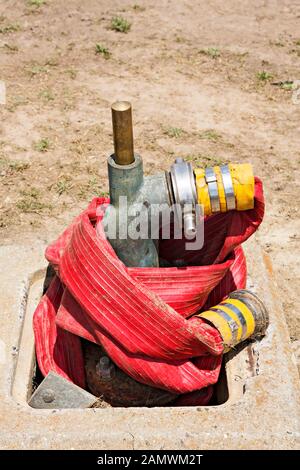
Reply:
x=264 y=76
x=36 y=3
x=99 y=49
x=63 y=185
x=287 y=85
x=93 y=184
x=137 y=7
x=42 y=145
x=179 y=39
x=3 y=162
x=173 y=132
x=12 y=167
x=72 y=73
x=212 y=52
x=30 y=201
x=52 y=62
x=36 y=70
x=295 y=51
x=18 y=167
x=202 y=160
x=16 y=101
x=120 y=24
x=210 y=134
x=9 y=28
x=11 y=47
x=91 y=188
x=46 y=95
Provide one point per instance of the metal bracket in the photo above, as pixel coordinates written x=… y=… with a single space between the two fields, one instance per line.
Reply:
x=228 y=187
x=211 y=180
x=57 y=392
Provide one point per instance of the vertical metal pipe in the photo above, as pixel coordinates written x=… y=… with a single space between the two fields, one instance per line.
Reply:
x=123 y=133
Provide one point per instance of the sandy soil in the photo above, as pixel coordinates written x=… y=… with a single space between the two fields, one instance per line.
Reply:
x=200 y=76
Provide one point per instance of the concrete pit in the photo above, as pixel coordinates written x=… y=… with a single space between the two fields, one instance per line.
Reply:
x=257 y=399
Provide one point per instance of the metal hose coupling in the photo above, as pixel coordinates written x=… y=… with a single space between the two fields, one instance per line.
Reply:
x=206 y=191
x=184 y=195
x=224 y=188
x=241 y=316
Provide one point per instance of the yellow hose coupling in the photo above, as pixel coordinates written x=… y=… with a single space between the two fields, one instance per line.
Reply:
x=224 y=188
x=242 y=315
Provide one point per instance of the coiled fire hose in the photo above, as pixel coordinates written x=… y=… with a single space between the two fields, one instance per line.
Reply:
x=144 y=318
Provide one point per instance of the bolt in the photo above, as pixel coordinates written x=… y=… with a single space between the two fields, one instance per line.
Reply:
x=104 y=362
x=189 y=221
x=48 y=395
x=105 y=369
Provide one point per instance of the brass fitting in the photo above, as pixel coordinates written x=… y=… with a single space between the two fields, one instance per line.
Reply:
x=123 y=133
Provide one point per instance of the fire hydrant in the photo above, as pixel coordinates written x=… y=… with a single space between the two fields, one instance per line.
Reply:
x=160 y=333
x=191 y=194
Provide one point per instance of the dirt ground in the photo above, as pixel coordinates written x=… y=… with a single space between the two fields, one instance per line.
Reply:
x=208 y=80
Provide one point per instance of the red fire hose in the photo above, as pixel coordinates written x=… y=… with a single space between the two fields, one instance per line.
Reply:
x=142 y=317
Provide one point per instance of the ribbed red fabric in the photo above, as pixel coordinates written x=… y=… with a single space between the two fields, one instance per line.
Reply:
x=142 y=316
